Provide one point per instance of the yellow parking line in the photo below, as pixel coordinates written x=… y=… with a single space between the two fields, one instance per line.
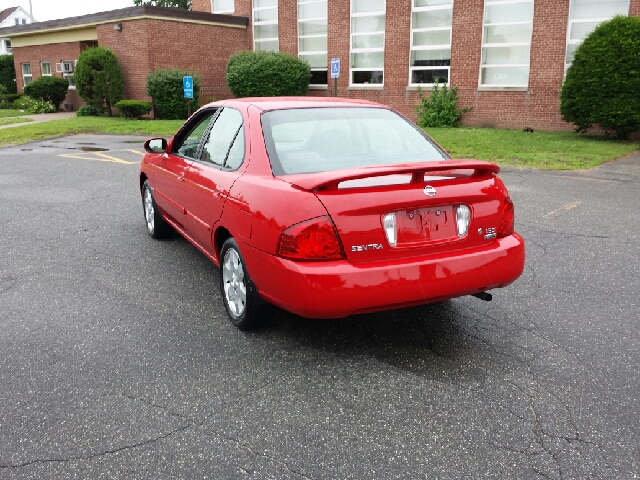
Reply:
x=134 y=151
x=557 y=212
x=105 y=158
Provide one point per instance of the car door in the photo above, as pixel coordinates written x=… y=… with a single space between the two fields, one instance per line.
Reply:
x=169 y=190
x=210 y=177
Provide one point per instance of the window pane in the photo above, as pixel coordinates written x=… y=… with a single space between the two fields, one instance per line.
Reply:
x=268 y=15
x=508 y=34
x=368 y=41
x=431 y=58
x=265 y=31
x=319 y=77
x=312 y=10
x=26 y=69
x=366 y=60
x=364 y=6
x=431 y=3
x=510 y=76
x=265 y=3
x=430 y=76
x=582 y=29
x=217 y=145
x=436 y=18
x=367 y=24
x=187 y=145
x=27 y=80
x=236 y=154
x=46 y=68
x=312 y=28
x=506 y=55
x=438 y=37
x=598 y=8
x=315 y=61
x=570 y=51
x=509 y=13
x=268 y=46
x=223 y=6
x=375 y=77
x=315 y=44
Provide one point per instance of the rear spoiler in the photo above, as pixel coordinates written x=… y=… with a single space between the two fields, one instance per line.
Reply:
x=330 y=180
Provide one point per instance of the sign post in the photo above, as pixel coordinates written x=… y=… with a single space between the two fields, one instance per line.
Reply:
x=335 y=73
x=187 y=85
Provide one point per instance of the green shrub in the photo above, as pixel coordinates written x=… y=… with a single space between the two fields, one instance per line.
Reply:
x=267 y=74
x=32 y=105
x=8 y=73
x=166 y=89
x=99 y=79
x=49 y=89
x=87 y=111
x=440 y=109
x=133 y=108
x=603 y=82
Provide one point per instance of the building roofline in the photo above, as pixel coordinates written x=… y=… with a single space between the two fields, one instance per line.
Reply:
x=124 y=14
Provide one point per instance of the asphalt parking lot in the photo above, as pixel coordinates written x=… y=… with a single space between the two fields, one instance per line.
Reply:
x=117 y=359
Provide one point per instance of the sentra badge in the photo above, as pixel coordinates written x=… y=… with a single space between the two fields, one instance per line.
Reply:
x=364 y=248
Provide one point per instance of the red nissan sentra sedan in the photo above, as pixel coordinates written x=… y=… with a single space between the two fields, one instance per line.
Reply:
x=329 y=207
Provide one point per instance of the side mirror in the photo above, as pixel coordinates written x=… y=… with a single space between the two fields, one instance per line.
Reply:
x=156 y=145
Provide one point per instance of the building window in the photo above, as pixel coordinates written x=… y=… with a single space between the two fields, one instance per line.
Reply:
x=27 y=78
x=506 y=43
x=7 y=43
x=430 y=41
x=312 y=37
x=45 y=68
x=265 y=25
x=223 y=6
x=367 y=41
x=585 y=16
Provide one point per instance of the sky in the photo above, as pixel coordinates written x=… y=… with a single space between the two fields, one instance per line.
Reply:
x=44 y=10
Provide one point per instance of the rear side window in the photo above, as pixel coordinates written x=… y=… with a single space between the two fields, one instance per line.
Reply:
x=225 y=145
x=323 y=139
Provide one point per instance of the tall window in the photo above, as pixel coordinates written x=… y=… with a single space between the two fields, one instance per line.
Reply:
x=312 y=37
x=506 y=43
x=7 y=44
x=430 y=41
x=222 y=6
x=585 y=16
x=45 y=68
x=26 y=74
x=265 y=25
x=367 y=41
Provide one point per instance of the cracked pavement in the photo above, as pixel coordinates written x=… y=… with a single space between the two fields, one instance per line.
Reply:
x=117 y=360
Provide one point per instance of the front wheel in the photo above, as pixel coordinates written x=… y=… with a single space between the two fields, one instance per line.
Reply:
x=240 y=296
x=157 y=227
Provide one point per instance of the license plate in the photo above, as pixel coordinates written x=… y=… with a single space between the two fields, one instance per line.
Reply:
x=425 y=225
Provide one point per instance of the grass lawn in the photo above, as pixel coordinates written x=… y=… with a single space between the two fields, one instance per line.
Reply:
x=545 y=150
x=10 y=120
x=11 y=113
x=55 y=128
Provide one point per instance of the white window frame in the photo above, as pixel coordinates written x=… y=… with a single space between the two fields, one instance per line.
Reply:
x=42 y=70
x=413 y=48
x=7 y=45
x=213 y=10
x=269 y=22
x=366 y=50
x=497 y=45
x=26 y=75
x=304 y=37
x=571 y=22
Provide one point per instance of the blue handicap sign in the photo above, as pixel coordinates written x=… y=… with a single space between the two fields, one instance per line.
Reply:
x=187 y=84
x=335 y=67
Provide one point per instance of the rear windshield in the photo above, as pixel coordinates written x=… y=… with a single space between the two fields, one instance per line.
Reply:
x=310 y=140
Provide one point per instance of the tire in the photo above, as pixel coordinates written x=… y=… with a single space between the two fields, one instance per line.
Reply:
x=157 y=227
x=244 y=305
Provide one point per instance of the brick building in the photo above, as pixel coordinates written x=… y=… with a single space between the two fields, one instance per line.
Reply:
x=507 y=57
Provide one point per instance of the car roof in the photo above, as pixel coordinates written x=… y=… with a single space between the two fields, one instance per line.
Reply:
x=283 y=103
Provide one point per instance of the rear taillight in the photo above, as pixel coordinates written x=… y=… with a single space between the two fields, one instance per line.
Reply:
x=463 y=217
x=312 y=240
x=508 y=219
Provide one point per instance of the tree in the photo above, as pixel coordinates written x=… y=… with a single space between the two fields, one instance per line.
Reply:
x=99 y=79
x=8 y=73
x=603 y=82
x=186 y=4
x=48 y=88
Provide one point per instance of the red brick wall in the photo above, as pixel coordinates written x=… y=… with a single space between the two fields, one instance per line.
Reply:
x=145 y=44
x=53 y=53
x=634 y=8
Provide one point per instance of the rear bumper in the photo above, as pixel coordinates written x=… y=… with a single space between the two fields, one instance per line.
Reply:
x=337 y=289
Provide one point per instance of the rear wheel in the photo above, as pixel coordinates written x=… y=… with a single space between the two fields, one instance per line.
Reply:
x=157 y=227
x=240 y=296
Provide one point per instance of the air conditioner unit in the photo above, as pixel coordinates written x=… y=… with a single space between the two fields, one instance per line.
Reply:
x=59 y=68
x=67 y=67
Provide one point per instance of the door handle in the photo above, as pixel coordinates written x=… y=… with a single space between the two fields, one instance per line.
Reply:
x=181 y=178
